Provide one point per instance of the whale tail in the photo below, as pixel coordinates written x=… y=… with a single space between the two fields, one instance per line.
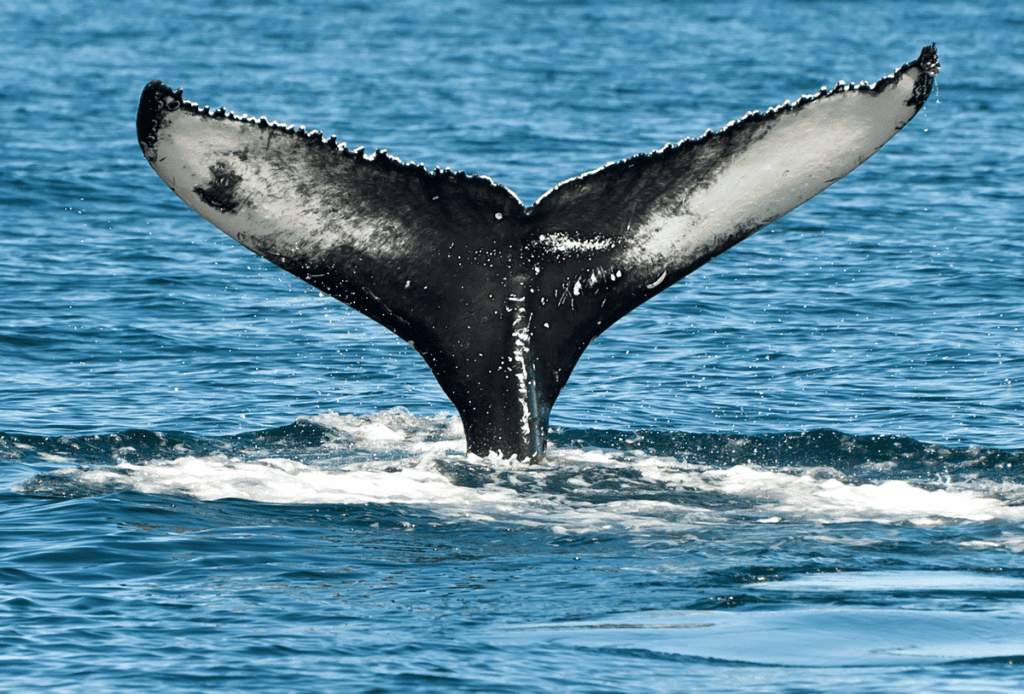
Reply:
x=499 y=299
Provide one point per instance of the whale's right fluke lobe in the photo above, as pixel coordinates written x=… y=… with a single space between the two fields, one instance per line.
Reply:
x=500 y=300
x=657 y=217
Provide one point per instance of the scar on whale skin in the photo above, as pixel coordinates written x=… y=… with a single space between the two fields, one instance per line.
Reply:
x=507 y=296
x=219 y=192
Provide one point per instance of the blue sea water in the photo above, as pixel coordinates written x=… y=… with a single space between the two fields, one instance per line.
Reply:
x=800 y=469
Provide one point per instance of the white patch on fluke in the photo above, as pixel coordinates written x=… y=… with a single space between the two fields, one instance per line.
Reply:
x=563 y=243
x=810 y=146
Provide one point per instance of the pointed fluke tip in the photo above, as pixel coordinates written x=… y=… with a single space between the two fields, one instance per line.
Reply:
x=156 y=97
x=928 y=60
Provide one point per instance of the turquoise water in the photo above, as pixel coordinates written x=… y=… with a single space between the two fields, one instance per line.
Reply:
x=798 y=469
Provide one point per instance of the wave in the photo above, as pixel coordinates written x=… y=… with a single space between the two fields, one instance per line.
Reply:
x=639 y=481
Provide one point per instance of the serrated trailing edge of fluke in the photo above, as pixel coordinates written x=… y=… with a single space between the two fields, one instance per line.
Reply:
x=927 y=62
x=158 y=97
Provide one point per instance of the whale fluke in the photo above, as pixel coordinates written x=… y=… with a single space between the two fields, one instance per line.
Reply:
x=500 y=299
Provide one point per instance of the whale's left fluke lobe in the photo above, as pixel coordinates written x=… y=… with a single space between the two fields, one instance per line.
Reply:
x=501 y=300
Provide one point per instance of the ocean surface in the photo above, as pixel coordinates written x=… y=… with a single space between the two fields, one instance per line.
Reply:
x=800 y=469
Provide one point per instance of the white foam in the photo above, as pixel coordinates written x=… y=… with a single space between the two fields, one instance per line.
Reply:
x=804 y=496
x=395 y=425
x=54 y=458
x=394 y=457
x=284 y=481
